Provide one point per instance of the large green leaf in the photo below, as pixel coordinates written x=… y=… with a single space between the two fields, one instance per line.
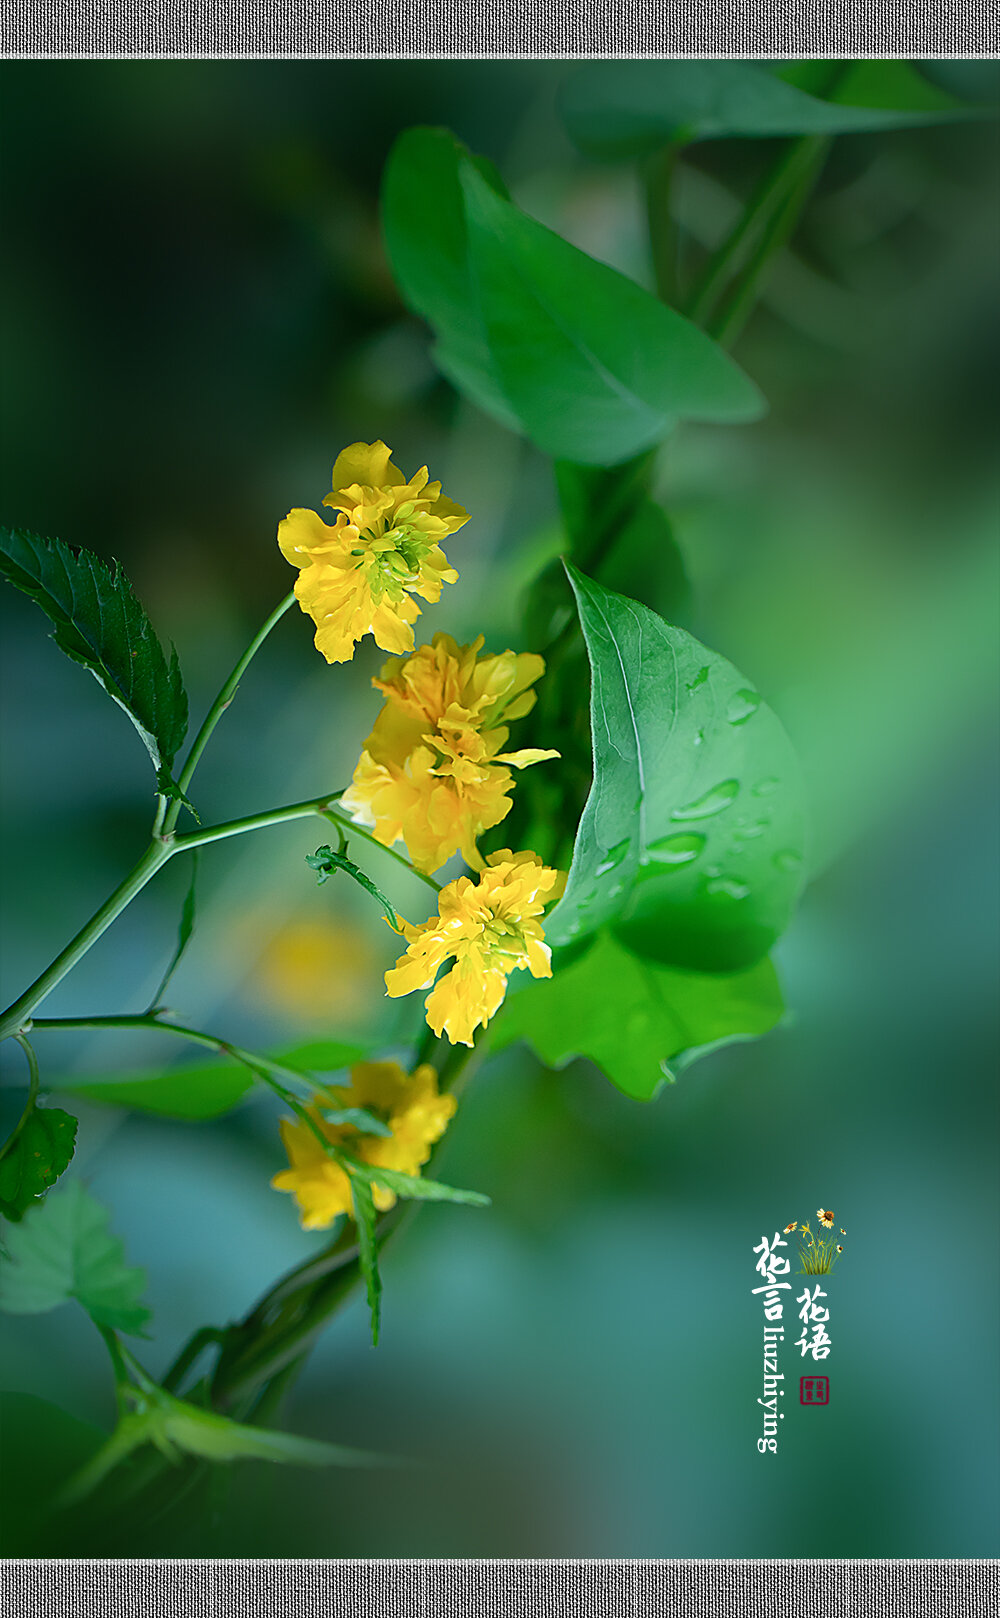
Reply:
x=42 y=1150
x=589 y=365
x=99 y=623
x=691 y=841
x=63 y=1249
x=633 y=1017
x=622 y=109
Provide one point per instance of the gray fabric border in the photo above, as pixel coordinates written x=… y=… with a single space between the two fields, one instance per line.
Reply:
x=501 y=1589
x=528 y=28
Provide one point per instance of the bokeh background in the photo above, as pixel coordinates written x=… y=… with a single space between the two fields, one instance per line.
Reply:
x=197 y=315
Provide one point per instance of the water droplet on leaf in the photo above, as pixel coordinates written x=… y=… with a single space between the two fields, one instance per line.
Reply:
x=678 y=848
x=768 y=784
x=613 y=857
x=699 y=679
x=788 y=860
x=727 y=887
x=710 y=803
x=742 y=707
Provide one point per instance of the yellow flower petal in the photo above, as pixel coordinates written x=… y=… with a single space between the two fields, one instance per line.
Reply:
x=359 y=576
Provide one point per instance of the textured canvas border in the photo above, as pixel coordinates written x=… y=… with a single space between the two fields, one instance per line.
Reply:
x=501 y=1589
x=505 y=28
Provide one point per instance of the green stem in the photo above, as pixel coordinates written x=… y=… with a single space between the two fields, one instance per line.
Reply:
x=29 y=1105
x=726 y=325
x=270 y=1073
x=658 y=178
x=17 y=1016
x=220 y=705
x=771 y=191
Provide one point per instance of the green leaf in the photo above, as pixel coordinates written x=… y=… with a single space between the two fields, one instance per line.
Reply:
x=184 y=932
x=359 y=1118
x=191 y=1091
x=894 y=85
x=41 y=1152
x=633 y=1017
x=413 y=1186
x=364 y=1218
x=327 y=861
x=322 y=1056
x=691 y=841
x=42 y=1445
x=427 y=238
x=63 y=1249
x=204 y=1090
x=99 y=623
x=622 y=109
x=589 y=365
x=216 y=1438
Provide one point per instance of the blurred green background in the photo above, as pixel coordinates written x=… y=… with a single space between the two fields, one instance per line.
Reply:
x=197 y=315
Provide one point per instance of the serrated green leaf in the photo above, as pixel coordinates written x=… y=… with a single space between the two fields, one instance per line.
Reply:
x=364 y=1218
x=633 y=1017
x=691 y=841
x=41 y=1152
x=623 y=109
x=413 y=1186
x=589 y=365
x=63 y=1249
x=100 y=624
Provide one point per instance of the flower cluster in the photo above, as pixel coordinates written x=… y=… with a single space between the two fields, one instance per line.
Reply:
x=433 y=771
x=408 y=1105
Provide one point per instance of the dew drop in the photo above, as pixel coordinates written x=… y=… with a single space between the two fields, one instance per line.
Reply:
x=699 y=738
x=766 y=786
x=742 y=707
x=678 y=848
x=710 y=803
x=787 y=860
x=725 y=886
x=613 y=857
x=699 y=679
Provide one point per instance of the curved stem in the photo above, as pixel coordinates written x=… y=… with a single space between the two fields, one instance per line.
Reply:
x=658 y=177
x=220 y=705
x=18 y=1015
x=32 y=1096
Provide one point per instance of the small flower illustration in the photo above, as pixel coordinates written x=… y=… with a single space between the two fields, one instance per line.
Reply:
x=839 y=1248
x=825 y=1218
x=792 y=1226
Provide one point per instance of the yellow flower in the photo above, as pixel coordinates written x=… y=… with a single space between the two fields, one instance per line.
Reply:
x=432 y=770
x=408 y=1103
x=490 y=927
x=791 y=1226
x=825 y=1218
x=360 y=575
